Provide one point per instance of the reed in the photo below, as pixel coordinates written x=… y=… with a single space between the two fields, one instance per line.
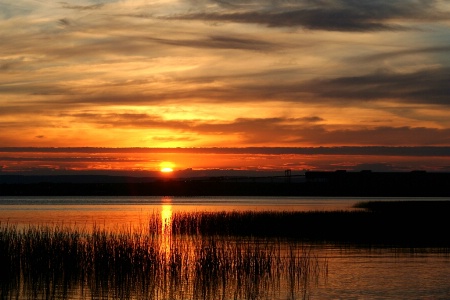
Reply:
x=47 y=262
x=436 y=207
x=399 y=227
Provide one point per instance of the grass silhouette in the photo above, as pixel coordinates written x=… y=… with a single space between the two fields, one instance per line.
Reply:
x=205 y=255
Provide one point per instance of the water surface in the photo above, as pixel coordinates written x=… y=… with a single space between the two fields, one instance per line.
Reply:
x=352 y=272
x=133 y=210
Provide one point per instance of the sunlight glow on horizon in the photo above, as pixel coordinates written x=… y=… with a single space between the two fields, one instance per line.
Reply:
x=166 y=167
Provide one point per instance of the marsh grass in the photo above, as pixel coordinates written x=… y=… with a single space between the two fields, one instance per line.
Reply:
x=411 y=207
x=388 y=224
x=201 y=255
x=57 y=262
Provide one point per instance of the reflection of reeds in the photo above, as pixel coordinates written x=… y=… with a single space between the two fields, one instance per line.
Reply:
x=44 y=262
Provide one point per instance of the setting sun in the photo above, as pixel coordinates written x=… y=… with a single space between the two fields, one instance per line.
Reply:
x=166 y=167
x=166 y=170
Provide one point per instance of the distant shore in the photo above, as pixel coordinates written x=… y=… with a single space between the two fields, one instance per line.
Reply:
x=339 y=183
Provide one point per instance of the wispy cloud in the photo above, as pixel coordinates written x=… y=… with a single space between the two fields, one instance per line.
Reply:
x=424 y=86
x=340 y=15
x=81 y=7
x=312 y=130
x=220 y=42
x=405 y=52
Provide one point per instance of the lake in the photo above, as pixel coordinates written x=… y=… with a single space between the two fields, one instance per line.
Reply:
x=338 y=272
x=113 y=211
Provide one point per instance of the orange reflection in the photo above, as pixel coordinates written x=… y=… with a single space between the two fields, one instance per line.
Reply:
x=166 y=219
x=166 y=226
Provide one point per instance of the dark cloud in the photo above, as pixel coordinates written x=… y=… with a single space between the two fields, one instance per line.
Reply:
x=142 y=120
x=64 y=22
x=422 y=151
x=133 y=120
x=220 y=42
x=33 y=89
x=311 y=119
x=425 y=86
x=65 y=158
x=259 y=131
x=173 y=139
x=402 y=136
x=338 y=15
x=404 y=52
x=7 y=65
x=81 y=7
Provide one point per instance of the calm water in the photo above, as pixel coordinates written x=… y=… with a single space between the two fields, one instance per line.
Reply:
x=351 y=273
x=134 y=210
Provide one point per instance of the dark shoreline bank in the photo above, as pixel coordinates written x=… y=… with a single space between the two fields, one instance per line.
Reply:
x=339 y=183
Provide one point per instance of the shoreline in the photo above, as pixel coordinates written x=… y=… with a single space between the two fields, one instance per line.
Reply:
x=217 y=188
x=334 y=184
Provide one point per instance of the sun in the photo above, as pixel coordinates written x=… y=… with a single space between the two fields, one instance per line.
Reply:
x=166 y=167
x=166 y=170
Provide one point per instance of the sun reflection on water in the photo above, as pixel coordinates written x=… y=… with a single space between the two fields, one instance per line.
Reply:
x=166 y=226
x=166 y=219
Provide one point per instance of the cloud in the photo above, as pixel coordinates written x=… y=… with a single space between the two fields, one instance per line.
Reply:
x=427 y=86
x=259 y=131
x=173 y=139
x=139 y=120
x=406 y=136
x=424 y=86
x=11 y=9
x=131 y=120
x=220 y=42
x=82 y=7
x=277 y=130
x=418 y=151
x=64 y=22
x=404 y=52
x=63 y=158
x=10 y=64
x=337 y=15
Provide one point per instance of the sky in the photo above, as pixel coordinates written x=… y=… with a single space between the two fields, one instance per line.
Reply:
x=212 y=73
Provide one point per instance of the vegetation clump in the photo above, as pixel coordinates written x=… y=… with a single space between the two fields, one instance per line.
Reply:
x=42 y=262
x=395 y=225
